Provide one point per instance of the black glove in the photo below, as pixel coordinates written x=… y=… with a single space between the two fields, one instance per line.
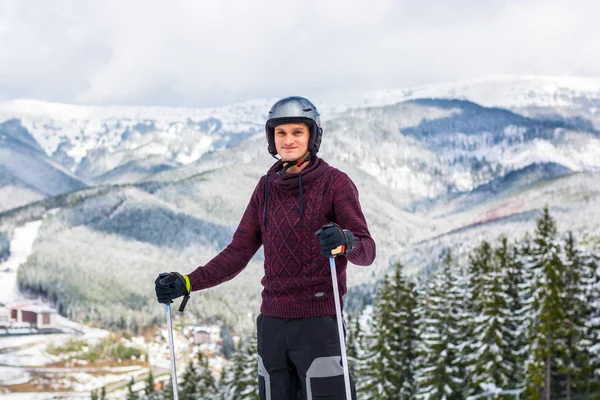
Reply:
x=333 y=236
x=169 y=286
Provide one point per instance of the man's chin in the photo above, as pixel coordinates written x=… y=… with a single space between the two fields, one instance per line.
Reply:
x=289 y=158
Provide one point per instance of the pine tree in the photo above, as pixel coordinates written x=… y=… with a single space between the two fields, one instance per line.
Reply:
x=149 y=391
x=441 y=373
x=240 y=380
x=593 y=260
x=580 y=282
x=353 y=346
x=189 y=384
x=248 y=381
x=207 y=386
x=225 y=387
x=392 y=349
x=379 y=371
x=406 y=303
x=358 y=349
x=480 y=264
x=131 y=395
x=516 y=277
x=94 y=395
x=547 y=335
x=490 y=340
x=167 y=392
x=103 y=393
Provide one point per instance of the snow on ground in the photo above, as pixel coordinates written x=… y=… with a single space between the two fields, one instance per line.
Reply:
x=88 y=332
x=33 y=354
x=20 y=248
x=44 y=396
x=13 y=376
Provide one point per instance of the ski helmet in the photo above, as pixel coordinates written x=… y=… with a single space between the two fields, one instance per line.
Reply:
x=294 y=109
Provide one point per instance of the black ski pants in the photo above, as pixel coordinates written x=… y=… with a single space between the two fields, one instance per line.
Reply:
x=300 y=359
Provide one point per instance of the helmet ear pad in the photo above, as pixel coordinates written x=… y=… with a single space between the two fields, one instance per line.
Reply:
x=314 y=142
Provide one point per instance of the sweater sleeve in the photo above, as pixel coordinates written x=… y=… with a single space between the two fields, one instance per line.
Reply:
x=348 y=214
x=235 y=257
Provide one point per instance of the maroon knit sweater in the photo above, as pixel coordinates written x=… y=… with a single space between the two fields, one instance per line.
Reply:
x=284 y=218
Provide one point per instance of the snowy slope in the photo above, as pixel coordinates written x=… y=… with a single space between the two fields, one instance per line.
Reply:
x=26 y=172
x=506 y=91
x=572 y=198
x=92 y=141
x=20 y=249
x=431 y=173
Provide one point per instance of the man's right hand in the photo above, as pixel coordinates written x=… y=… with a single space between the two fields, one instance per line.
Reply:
x=171 y=285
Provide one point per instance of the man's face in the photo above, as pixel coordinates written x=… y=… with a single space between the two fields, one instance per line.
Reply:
x=291 y=141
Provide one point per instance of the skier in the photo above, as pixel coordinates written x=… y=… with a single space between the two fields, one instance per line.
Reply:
x=301 y=211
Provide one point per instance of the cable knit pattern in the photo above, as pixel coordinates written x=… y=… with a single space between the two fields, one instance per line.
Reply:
x=297 y=281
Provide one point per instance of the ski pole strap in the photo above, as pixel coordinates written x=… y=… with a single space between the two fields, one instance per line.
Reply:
x=184 y=302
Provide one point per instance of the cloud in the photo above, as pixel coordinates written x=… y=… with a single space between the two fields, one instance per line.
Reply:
x=217 y=52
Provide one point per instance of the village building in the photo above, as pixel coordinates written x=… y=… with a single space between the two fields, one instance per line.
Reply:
x=38 y=316
x=206 y=334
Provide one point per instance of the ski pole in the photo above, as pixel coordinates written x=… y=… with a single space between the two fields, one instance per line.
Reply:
x=338 y=314
x=172 y=351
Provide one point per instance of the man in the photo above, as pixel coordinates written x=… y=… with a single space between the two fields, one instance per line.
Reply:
x=300 y=211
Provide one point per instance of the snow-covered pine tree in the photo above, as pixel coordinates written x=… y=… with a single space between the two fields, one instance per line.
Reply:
x=580 y=281
x=593 y=259
x=167 y=392
x=361 y=329
x=353 y=345
x=248 y=381
x=150 y=393
x=225 y=384
x=516 y=287
x=378 y=372
x=392 y=346
x=441 y=370
x=131 y=395
x=480 y=264
x=547 y=333
x=207 y=385
x=407 y=302
x=240 y=380
x=188 y=389
x=490 y=340
x=480 y=260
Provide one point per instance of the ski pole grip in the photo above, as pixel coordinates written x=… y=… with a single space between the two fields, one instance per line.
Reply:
x=338 y=250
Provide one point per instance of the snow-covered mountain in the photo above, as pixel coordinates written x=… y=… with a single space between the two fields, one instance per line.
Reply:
x=26 y=173
x=432 y=171
x=122 y=144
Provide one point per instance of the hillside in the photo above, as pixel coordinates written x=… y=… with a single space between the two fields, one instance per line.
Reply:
x=171 y=185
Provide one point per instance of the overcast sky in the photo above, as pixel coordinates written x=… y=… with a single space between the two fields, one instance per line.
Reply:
x=204 y=53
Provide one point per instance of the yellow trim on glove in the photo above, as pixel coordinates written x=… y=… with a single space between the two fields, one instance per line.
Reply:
x=188 y=284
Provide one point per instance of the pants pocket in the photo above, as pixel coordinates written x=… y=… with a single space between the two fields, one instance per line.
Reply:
x=330 y=388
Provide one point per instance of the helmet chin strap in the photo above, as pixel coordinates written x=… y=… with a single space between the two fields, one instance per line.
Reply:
x=297 y=163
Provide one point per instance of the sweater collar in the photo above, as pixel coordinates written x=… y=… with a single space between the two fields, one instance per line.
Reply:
x=291 y=180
